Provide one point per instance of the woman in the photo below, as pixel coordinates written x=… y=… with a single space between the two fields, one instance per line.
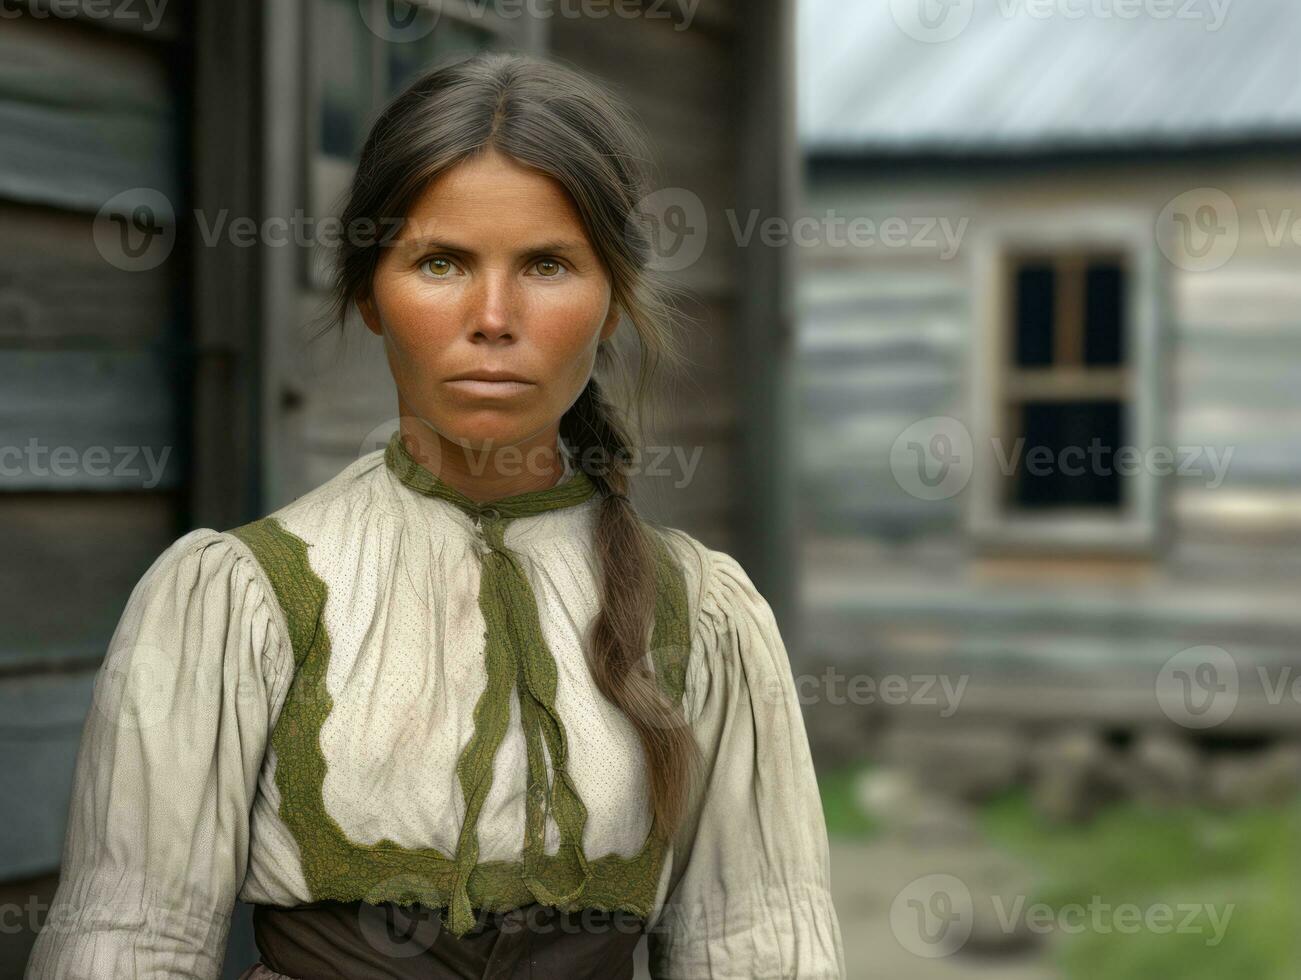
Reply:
x=459 y=711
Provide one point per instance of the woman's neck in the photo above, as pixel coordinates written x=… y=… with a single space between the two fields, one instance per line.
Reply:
x=491 y=473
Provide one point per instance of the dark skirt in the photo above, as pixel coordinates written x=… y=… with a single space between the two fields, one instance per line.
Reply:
x=359 y=941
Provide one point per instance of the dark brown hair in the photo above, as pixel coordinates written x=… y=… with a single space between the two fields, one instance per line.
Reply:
x=555 y=119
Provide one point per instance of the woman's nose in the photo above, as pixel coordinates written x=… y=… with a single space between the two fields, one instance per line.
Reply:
x=494 y=304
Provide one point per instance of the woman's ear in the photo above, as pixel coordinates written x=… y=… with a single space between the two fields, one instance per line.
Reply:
x=611 y=320
x=369 y=316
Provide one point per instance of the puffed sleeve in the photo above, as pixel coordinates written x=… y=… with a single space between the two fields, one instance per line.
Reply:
x=157 y=841
x=749 y=895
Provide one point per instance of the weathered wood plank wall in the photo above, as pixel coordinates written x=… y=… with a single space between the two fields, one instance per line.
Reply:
x=92 y=367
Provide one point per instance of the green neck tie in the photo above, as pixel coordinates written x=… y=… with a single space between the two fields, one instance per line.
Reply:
x=515 y=654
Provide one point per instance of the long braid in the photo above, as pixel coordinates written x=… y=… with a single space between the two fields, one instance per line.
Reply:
x=616 y=657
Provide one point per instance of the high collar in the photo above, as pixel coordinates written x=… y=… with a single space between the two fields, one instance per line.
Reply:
x=574 y=488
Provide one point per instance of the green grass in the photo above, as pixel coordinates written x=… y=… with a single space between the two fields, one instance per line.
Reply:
x=1245 y=864
x=844 y=817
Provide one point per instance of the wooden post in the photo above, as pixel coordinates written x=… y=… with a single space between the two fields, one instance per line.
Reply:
x=227 y=297
x=768 y=181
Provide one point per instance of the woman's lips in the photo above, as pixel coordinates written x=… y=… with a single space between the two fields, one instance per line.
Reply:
x=489 y=389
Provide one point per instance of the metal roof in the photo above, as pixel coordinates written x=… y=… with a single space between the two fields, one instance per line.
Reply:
x=1007 y=76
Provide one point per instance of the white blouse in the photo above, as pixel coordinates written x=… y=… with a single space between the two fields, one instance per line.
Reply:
x=176 y=809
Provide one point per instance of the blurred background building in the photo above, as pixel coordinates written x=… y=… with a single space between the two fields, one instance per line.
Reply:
x=1049 y=380
x=1074 y=232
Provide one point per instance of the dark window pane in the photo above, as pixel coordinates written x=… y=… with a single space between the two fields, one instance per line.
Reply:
x=1067 y=459
x=1034 y=312
x=450 y=40
x=345 y=77
x=1104 y=314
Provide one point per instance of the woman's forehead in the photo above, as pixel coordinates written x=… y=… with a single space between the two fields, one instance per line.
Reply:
x=509 y=205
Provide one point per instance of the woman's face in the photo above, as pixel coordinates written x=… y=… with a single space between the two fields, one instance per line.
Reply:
x=492 y=274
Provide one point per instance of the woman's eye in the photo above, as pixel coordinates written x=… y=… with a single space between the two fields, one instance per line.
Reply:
x=549 y=268
x=438 y=266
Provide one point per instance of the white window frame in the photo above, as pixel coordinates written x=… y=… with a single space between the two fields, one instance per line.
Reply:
x=1136 y=528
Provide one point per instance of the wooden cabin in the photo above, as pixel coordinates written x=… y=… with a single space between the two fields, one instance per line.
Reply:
x=1072 y=232
x=157 y=374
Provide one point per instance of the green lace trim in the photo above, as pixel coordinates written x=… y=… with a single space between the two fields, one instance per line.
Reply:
x=515 y=655
x=576 y=489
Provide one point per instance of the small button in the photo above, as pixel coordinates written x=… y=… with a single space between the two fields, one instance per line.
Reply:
x=491 y=513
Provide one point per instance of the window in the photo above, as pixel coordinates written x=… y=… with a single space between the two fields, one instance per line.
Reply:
x=361 y=55
x=1065 y=388
x=1065 y=395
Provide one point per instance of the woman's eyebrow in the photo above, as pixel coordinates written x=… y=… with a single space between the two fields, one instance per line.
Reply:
x=432 y=244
